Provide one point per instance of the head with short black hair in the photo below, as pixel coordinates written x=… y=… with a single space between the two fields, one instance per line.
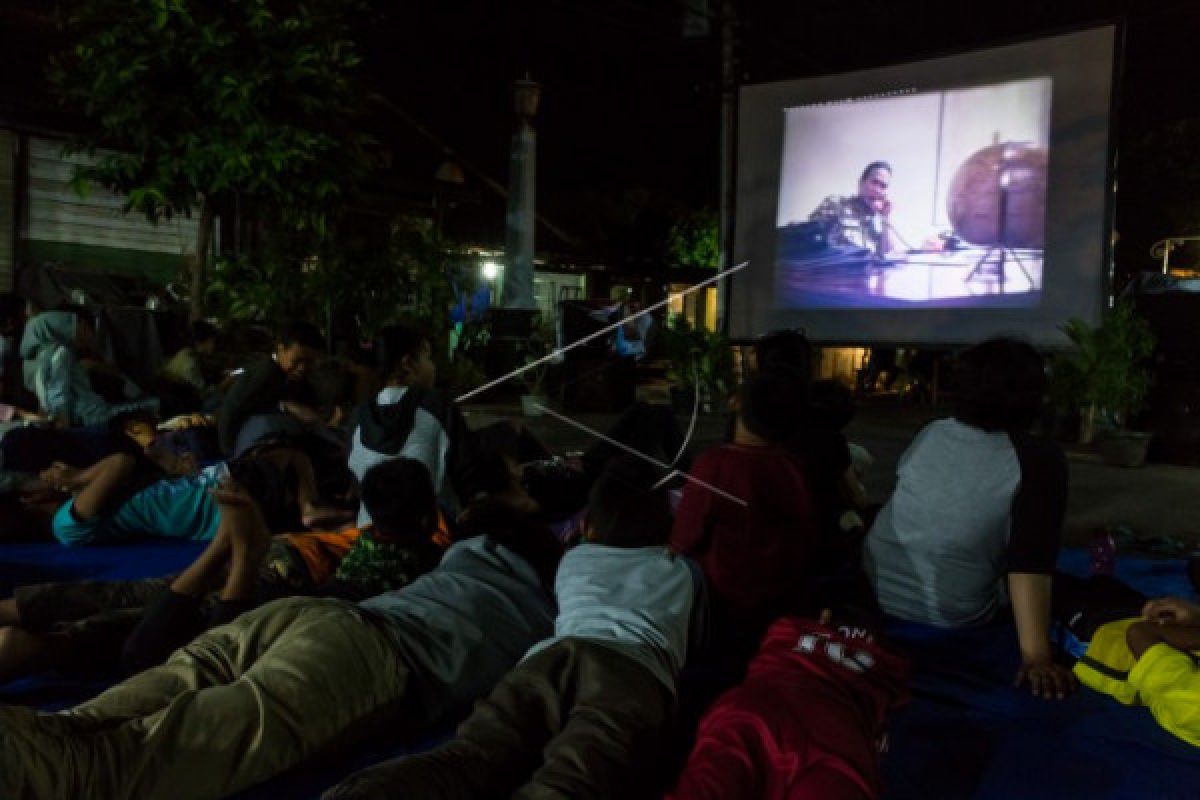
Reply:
x=874 y=165
x=771 y=405
x=298 y=349
x=830 y=405
x=203 y=335
x=786 y=349
x=1001 y=383
x=404 y=357
x=624 y=507
x=399 y=496
x=489 y=472
x=874 y=182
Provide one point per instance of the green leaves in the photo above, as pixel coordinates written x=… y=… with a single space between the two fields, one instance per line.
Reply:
x=205 y=99
x=1106 y=365
x=693 y=241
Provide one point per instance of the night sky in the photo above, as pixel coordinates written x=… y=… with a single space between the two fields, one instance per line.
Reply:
x=630 y=107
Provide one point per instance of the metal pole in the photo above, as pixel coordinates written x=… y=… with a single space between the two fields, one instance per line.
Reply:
x=519 y=239
x=728 y=188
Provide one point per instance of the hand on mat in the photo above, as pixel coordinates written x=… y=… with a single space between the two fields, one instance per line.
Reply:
x=1046 y=679
x=1172 y=610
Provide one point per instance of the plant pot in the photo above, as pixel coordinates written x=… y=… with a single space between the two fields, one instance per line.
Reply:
x=1124 y=448
x=531 y=403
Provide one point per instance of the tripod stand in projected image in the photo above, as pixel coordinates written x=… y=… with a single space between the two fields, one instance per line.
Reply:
x=993 y=264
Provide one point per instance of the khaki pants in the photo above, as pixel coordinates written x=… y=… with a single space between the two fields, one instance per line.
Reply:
x=238 y=705
x=576 y=720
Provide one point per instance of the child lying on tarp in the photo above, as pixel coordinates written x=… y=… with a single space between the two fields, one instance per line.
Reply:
x=92 y=624
x=808 y=720
x=1151 y=661
x=128 y=495
x=586 y=713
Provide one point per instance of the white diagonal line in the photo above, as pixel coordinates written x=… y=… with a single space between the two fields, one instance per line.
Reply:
x=640 y=454
x=595 y=335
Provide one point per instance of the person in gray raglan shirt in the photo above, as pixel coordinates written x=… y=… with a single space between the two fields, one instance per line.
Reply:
x=248 y=700
x=587 y=713
x=978 y=501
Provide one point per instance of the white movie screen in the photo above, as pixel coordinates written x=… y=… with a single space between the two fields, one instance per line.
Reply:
x=934 y=202
x=948 y=209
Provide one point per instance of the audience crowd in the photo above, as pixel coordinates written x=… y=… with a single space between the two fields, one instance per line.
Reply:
x=601 y=628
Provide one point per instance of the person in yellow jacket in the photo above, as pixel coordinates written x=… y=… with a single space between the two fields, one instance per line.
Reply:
x=1151 y=661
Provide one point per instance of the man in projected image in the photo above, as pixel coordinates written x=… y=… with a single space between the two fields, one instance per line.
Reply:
x=860 y=220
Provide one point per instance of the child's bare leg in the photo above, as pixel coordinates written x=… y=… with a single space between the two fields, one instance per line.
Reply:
x=204 y=574
x=249 y=542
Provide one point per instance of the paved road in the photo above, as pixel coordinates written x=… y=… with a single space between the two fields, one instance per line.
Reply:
x=1156 y=499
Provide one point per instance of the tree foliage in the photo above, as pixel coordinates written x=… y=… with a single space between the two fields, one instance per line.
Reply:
x=693 y=240
x=360 y=283
x=1105 y=366
x=192 y=102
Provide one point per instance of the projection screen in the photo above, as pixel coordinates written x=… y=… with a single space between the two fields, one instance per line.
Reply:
x=935 y=202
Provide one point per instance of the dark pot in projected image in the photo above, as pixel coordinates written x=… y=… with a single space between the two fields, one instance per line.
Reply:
x=998 y=197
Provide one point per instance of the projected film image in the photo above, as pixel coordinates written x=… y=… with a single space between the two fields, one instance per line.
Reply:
x=915 y=200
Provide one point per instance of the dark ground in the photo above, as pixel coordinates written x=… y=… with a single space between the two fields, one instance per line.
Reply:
x=1154 y=500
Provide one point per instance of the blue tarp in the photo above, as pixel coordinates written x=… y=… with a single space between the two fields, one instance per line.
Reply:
x=967 y=732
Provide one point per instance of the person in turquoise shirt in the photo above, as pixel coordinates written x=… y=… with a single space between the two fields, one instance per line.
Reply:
x=115 y=499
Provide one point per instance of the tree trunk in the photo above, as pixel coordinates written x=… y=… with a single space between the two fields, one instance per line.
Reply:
x=199 y=261
x=1087 y=424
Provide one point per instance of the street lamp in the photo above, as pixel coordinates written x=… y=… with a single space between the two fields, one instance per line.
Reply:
x=490 y=270
x=522 y=172
x=526 y=94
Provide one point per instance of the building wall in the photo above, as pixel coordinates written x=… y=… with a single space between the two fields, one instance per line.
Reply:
x=92 y=231
x=549 y=286
x=8 y=153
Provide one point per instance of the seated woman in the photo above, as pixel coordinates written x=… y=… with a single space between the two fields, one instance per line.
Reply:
x=979 y=503
x=50 y=347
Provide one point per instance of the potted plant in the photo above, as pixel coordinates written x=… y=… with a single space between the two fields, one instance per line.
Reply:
x=1105 y=376
x=699 y=360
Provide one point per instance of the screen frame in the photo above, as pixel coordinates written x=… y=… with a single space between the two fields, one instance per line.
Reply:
x=739 y=313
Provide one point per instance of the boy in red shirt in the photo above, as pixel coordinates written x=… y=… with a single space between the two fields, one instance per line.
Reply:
x=805 y=723
x=755 y=539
